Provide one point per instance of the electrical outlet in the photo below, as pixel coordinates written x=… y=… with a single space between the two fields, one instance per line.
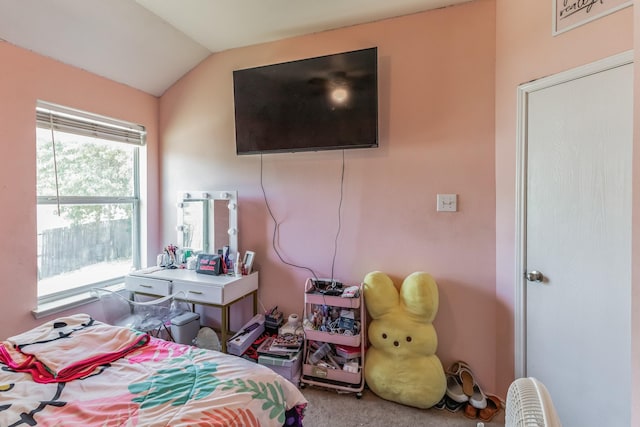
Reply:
x=447 y=203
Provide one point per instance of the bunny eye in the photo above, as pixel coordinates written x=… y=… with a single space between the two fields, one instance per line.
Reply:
x=384 y=336
x=408 y=339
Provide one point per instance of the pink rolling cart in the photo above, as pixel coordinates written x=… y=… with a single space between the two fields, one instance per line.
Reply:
x=335 y=338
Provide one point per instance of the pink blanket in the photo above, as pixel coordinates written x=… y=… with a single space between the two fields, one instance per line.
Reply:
x=160 y=384
x=57 y=352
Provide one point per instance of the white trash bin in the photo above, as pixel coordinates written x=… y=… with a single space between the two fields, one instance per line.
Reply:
x=185 y=327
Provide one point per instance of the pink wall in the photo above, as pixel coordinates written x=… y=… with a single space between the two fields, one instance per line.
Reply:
x=436 y=80
x=24 y=78
x=526 y=50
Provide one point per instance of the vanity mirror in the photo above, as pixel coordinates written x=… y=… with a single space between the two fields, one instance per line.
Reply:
x=208 y=220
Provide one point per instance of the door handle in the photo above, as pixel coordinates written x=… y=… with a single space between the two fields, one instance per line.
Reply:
x=534 y=276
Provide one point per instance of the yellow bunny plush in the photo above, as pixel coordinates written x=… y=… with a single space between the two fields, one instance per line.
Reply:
x=401 y=363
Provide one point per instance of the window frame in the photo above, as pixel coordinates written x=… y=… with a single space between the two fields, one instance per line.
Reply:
x=92 y=125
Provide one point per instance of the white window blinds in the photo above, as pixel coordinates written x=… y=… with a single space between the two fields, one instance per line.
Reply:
x=77 y=122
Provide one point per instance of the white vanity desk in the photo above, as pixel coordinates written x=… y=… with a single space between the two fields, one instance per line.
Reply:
x=215 y=291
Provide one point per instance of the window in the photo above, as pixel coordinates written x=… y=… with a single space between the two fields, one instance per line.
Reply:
x=88 y=197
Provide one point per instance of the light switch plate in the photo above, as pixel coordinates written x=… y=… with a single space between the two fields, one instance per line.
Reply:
x=447 y=203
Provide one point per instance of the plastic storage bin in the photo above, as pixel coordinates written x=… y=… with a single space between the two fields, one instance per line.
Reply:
x=288 y=368
x=185 y=327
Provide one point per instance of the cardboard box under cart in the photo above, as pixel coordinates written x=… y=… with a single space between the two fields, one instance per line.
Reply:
x=287 y=367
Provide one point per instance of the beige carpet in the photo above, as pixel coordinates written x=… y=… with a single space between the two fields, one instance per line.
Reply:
x=328 y=408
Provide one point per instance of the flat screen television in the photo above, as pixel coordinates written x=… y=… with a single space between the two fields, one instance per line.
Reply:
x=323 y=103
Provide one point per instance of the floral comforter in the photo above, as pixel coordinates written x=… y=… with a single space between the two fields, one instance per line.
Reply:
x=142 y=382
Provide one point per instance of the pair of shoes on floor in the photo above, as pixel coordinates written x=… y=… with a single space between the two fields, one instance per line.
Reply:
x=449 y=404
x=455 y=391
x=462 y=386
x=441 y=404
x=493 y=407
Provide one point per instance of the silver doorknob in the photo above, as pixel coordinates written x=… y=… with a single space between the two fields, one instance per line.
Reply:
x=534 y=276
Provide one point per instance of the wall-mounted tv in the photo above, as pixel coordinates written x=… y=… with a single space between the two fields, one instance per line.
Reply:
x=323 y=103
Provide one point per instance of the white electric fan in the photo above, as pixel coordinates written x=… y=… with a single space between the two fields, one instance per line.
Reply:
x=529 y=405
x=207 y=338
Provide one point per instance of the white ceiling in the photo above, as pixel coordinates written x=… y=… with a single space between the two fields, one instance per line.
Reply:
x=150 y=44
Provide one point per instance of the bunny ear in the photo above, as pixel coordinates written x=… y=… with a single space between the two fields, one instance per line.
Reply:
x=380 y=294
x=419 y=294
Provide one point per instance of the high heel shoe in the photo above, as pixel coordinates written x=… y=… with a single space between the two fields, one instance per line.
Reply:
x=478 y=399
x=494 y=406
x=470 y=411
x=454 y=390
x=462 y=370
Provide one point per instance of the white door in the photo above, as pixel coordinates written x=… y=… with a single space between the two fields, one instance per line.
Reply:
x=576 y=240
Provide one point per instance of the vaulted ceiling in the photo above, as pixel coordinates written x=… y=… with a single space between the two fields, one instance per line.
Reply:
x=150 y=44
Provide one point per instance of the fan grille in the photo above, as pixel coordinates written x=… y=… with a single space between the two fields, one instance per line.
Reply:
x=524 y=406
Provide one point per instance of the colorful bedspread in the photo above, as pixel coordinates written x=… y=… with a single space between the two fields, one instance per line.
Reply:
x=157 y=384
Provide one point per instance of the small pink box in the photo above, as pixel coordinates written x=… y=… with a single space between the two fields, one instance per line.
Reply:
x=347 y=352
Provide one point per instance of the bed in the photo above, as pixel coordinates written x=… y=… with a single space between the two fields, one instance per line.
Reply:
x=75 y=371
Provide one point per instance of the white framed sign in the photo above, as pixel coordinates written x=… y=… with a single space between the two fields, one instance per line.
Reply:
x=569 y=14
x=247 y=262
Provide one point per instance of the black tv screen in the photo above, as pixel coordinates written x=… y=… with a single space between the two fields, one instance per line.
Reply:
x=323 y=103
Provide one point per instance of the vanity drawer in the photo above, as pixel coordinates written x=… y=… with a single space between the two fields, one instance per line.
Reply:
x=204 y=293
x=145 y=285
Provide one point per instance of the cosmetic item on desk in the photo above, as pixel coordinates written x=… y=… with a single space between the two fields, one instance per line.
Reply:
x=171 y=251
x=209 y=264
x=179 y=256
x=237 y=267
x=192 y=262
x=162 y=260
x=223 y=263
x=226 y=259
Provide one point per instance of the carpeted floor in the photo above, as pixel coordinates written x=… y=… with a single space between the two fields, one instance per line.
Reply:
x=328 y=408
